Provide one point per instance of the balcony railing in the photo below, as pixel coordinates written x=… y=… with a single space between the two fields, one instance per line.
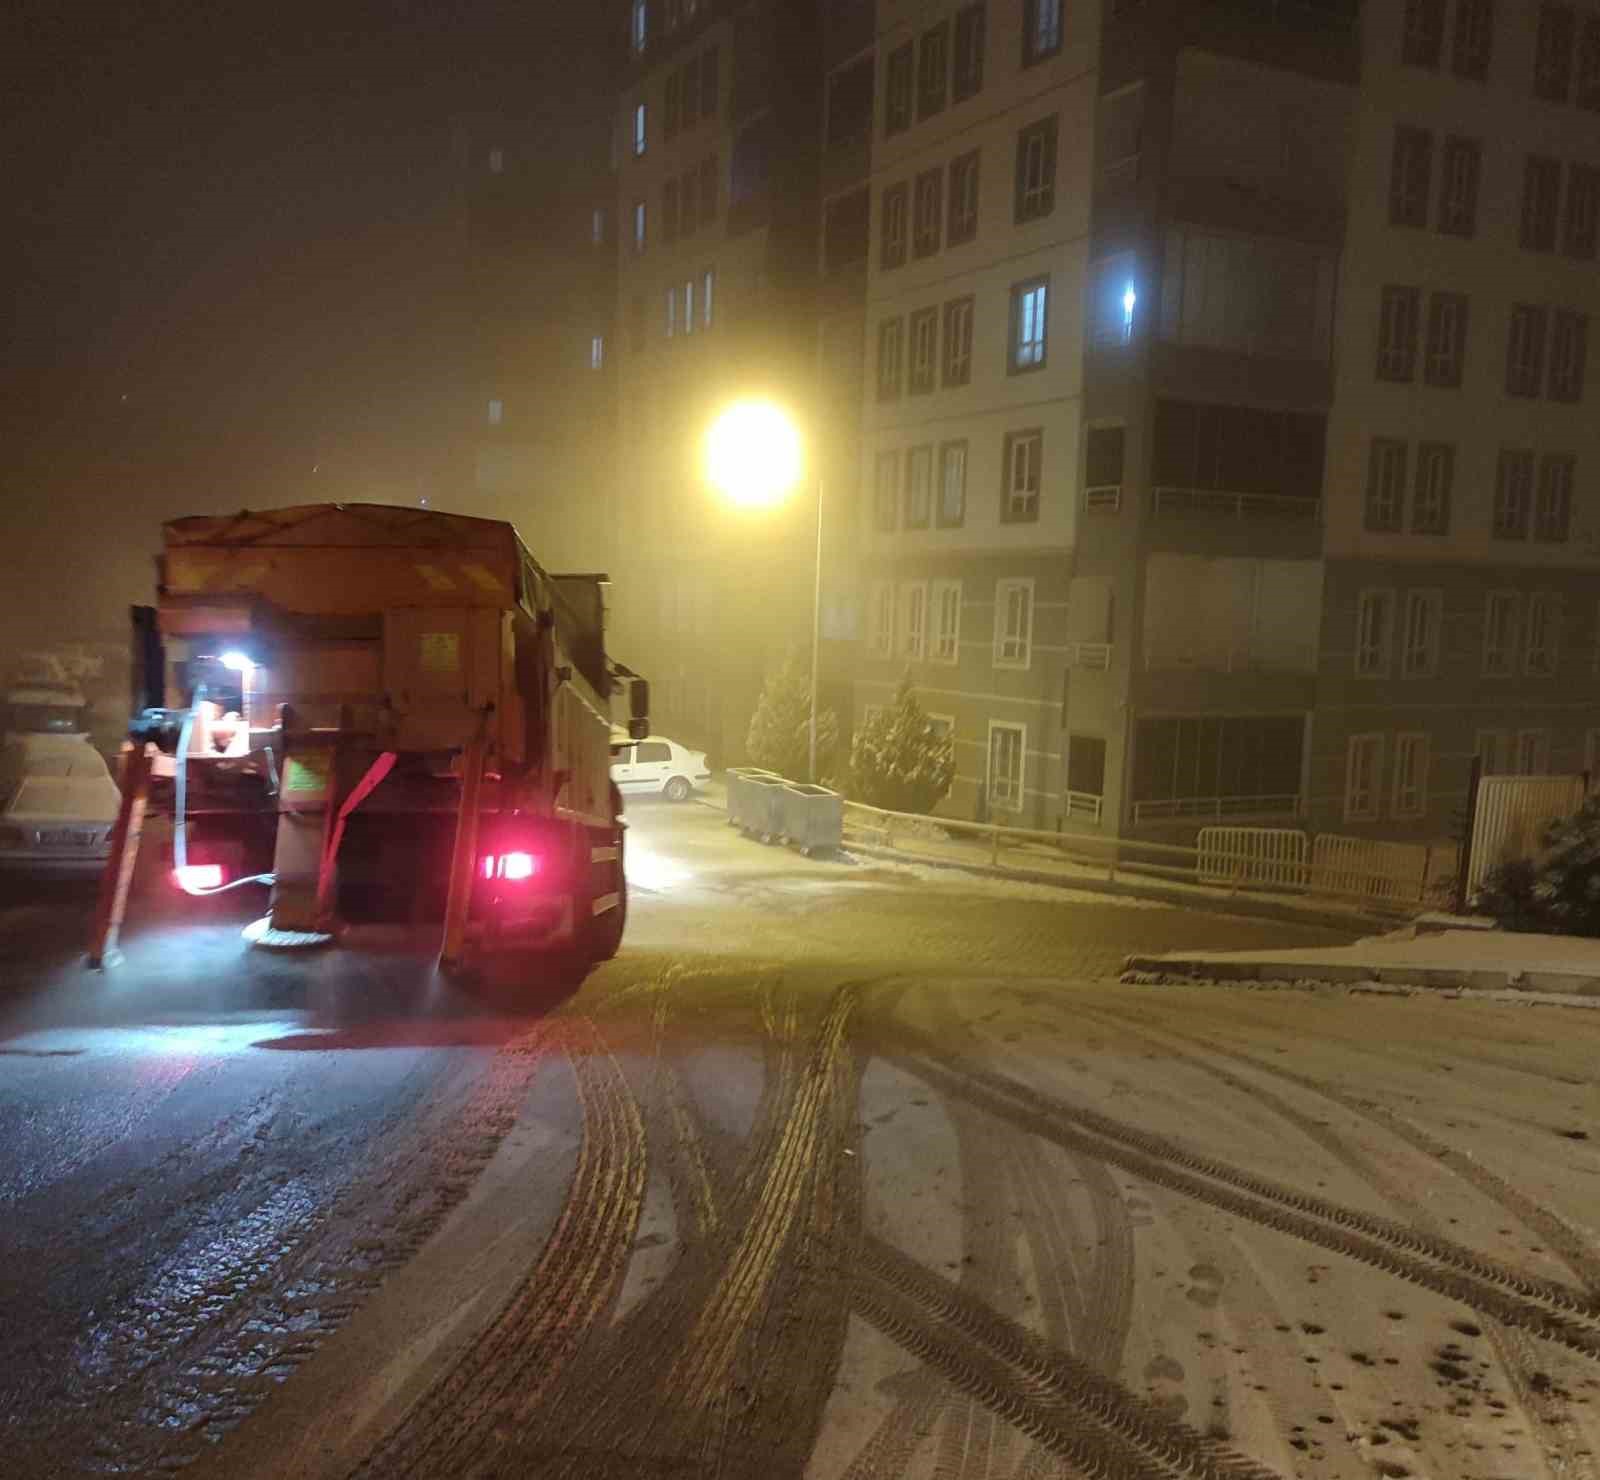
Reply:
x=1089 y=655
x=1166 y=499
x=1216 y=808
x=1103 y=498
x=1219 y=658
x=1084 y=804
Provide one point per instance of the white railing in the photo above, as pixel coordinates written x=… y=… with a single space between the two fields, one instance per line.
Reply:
x=1190 y=808
x=1167 y=499
x=1103 y=498
x=1511 y=815
x=1220 y=658
x=1084 y=804
x=1240 y=856
x=1089 y=655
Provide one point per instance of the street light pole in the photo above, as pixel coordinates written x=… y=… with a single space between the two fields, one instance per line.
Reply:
x=816 y=635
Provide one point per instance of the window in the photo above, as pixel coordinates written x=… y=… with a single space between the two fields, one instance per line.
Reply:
x=1363 y=776
x=708 y=189
x=1589 y=64
x=1474 y=39
x=690 y=83
x=639 y=136
x=1410 y=174
x=1583 y=211
x=1541 y=193
x=1525 y=350
x=913 y=620
x=671 y=322
x=688 y=307
x=1552 y=515
x=1374 y=633
x=597 y=351
x=946 y=621
x=669 y=211
x=968 y=79
x=1013 y=623
x=850 y=104
x=1513 y=494
x=1436 y=476
x=1386 y=484
x=1541 y=635
x=497 y=412
x=1422 y=39
x=708 y=82
x=1493 y=749
x=891 y=332
x=924 y=330
x=1447 y=340
x=639 y=31
x=1569 y=351
x=963 y=199
x=1086 y=768
x=597 y=227
x=892 y=246
x=497 y=161
x=1024 y=452
x=952 y=485
x=1397 y=333
x=1458 y=191
x=897 y=91
x=1552 y=58
x=1419 y=646
x=1041 y=36
x=919 y=486
x=708 y=282
x=1239 y=450
x=689 y=203
x=672 y=106
x=1410 y=774
x=928 y=213
x=880 y=620
x=1029 y=314
x=1036 y=170
x=957 y=342
x=886 y=493
x=638 y=226
x=1533 y=752
x=933 y=70
x=1102 y=468
x=1502 y=617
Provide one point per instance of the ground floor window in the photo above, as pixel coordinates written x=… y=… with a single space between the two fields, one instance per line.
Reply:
x=1086 y=775
x=1363 y=776
x=1006 y=749
x=1410 y=775
x=1217 y=765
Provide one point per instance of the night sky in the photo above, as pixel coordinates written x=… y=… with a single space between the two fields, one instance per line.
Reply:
x=235 y=251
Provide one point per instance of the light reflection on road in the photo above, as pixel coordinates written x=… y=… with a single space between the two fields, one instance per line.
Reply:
x=651 y=871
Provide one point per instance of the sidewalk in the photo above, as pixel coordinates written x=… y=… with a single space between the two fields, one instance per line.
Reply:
x=1034 y=863
x=1472 y=959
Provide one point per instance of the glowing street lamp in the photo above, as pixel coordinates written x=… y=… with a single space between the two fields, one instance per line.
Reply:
x=753 y=458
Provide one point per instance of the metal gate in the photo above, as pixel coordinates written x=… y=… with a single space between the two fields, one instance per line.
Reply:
x=1512 y=813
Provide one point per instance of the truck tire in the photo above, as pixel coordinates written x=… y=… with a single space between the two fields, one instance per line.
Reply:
x=602 y=934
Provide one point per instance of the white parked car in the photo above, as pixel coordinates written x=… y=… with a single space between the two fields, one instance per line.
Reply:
x=58 y=805
x=659 y=767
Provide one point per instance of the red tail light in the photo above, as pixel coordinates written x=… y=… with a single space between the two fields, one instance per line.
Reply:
x=193 y=878
x=514 y=868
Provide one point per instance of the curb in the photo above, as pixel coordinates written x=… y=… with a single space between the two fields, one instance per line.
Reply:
x=1281 y=912
x=1567 y=989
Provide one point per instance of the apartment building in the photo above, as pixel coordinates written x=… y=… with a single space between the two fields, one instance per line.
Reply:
x=718 y=222
x=972 y=407
x=1462 y=538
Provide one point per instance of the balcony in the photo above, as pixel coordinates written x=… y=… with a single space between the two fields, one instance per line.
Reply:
x=1095 y=655
x=1223 y=658
x=1103 y=498
x=1083 y=805
x=1168 y=500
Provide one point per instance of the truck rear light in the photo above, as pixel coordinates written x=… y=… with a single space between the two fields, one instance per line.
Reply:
x=193 y=878
x=515 y=868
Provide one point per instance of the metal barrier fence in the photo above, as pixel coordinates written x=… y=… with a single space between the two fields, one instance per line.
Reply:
x=1385 y=873
x=1238 y=856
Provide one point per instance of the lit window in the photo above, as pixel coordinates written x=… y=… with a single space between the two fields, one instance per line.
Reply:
x=640 y=31
x=639 y=134
x=1042 y=36
x=1029 y=316
x=638 y=225
x=707 y=283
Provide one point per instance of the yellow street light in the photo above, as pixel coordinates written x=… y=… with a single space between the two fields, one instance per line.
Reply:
x=753 y=454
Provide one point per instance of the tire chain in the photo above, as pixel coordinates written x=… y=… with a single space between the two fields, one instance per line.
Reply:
x=1393 y=1247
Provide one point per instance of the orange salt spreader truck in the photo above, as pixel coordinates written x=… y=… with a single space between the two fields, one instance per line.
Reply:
x=382 y=715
